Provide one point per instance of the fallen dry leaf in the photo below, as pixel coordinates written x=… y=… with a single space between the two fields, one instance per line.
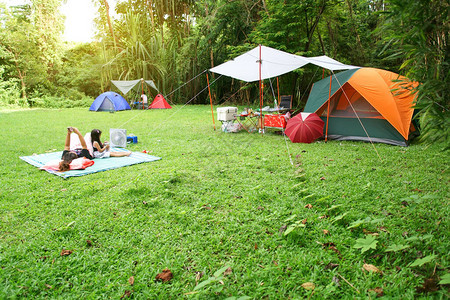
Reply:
x=198 y=276
x=48 y=286
x=304 y=221
x=131 y=280
x=126 y=294
x=66 y=252
x=377 y=290
x=336 y=281
x=429 y=285
x=309 y=205
x=371 y=268
x=228 y=271
x=165 y=275
x=89 y=243
x=322 y=178
x=309 y=286
x=331 y=266
x=325 y=231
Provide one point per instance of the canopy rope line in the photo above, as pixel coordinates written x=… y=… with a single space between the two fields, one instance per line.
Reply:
x=165 y=96
x=309 y=84
x=190 y=100
x=359 y=120
x=282 y=128
x=227 y=99
x=138 y=114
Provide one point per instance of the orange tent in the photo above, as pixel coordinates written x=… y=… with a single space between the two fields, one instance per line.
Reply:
x=365 y=104
x=159 y=102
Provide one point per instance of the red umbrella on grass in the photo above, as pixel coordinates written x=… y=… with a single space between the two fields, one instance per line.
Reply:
x=304 y=128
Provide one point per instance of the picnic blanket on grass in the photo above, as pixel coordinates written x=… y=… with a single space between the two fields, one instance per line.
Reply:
x=99 y=165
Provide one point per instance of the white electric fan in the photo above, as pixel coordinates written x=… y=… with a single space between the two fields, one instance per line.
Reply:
x=118 y=137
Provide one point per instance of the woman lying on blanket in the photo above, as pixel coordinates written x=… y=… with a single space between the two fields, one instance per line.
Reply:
x=69 y=155
x=102 y=151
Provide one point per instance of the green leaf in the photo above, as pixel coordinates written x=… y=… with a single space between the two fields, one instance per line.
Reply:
x=395 y=248
x=292 y=227
x=421 y=261
x=291 y=218
x=220 y=271
x=204 y=283
x=358 y=223
x=445 y=279
x=413 y=238
x=340 y=217
x=375 y=221
x=365 y=244
x=289 y=230
x=334 y=207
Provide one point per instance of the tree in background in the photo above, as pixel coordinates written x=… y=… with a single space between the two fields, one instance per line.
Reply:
x=31 y=37
x=18 y=38
x=416 y=33
x=147 y=36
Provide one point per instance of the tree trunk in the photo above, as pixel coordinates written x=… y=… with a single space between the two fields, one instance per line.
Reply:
x=358 y=39
x=111 y=30
x=150 y=8
x=311 y=30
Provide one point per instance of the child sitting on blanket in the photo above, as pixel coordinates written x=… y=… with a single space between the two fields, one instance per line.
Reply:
x=102 y=151
x=68 y=154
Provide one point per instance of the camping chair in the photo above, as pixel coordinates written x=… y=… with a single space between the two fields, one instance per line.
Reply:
x=286 y=102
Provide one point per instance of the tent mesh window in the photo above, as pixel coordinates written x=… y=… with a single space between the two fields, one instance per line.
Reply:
x=106 y=105
x=340 y=105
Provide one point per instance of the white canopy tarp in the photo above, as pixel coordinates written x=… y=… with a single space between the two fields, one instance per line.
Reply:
x=127 y=85
x=329 y=63
x=274 y=63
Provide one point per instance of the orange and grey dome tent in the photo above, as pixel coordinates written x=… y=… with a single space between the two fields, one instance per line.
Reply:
x=159 y=102
x=365 y=104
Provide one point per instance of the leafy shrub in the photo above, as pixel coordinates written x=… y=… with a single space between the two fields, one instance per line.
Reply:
x=9 y=92
x=61 y=102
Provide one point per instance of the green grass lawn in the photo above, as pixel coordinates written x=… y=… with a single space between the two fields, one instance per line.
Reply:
x=227 y=214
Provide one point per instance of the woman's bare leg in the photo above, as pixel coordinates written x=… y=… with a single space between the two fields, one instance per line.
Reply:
x=120 y=154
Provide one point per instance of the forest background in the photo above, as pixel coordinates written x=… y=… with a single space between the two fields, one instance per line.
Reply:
x=173 y=41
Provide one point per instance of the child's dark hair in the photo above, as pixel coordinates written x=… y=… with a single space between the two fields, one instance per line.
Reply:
x=67 y=158
x=95 y=136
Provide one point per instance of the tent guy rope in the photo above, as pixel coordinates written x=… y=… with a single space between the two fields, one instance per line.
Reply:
x=359 y=120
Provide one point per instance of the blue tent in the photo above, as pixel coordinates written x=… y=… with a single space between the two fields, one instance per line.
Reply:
x=109 y=101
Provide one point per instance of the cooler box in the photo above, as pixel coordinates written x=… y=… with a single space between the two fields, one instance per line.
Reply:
x=226 y=113
x=132 y=139
x=277 y=121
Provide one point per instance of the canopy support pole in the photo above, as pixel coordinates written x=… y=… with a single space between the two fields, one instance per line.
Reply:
x=210 y=100
x=261 y=118
x=328 y=110
x=142 y=91
x=278 y=90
